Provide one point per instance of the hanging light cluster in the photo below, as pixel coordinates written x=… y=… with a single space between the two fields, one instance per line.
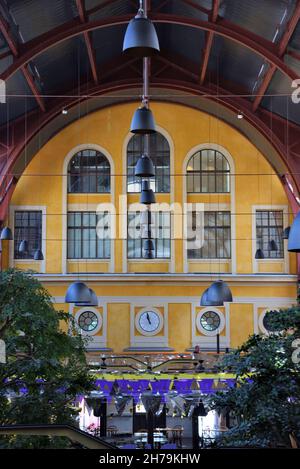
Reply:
x=216 y=295
x=6 y=235
x=81 y=295
x=141 y=41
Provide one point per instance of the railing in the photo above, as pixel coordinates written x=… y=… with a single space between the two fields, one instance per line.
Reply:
x=72 y=433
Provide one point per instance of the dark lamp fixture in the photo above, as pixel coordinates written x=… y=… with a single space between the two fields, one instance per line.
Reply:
x=143 y=121
x=219 y=292
x=286 y=232
x=78 y=292
x=147 y=194
x=272 y=246
x=6 y=234
x=144 y=167
x=23 y=246
x=259 y=254
x=140 y=38
x=92 y=302
x=38 y=255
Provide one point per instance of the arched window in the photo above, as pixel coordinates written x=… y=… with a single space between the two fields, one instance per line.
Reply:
x=208 y=171
x=159 y=151
x=89 y=171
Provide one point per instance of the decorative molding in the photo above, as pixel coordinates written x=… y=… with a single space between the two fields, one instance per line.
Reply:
x=143 y=341
x=201 y=329
x=97 y=341
x=208 y=341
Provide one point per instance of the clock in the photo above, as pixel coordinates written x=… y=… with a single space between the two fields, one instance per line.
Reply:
x=149 y=321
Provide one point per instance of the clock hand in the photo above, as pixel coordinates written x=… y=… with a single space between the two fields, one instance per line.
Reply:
x=148 y=317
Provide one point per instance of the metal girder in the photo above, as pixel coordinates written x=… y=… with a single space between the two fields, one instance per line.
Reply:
x=88 y=40
x=4 y=27
x=291 y=26
x=209 y=41
x=257 y=44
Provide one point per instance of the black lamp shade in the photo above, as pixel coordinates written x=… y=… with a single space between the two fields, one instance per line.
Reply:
x=259 y=254
x=294 y=236
x=38 y=255
x=92 y=302
x=206 y=302
x=23 y=246
x=144 y=167
x=272 y=245
x=140 y=39
x=6 y=234
x=148 y=254
x=147 y=194
x=286 y=232
x=148 y=245
x=78 y=292
x=143 y=121
x=219 y=292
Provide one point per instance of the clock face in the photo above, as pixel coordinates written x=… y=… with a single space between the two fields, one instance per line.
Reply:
x=149 y=321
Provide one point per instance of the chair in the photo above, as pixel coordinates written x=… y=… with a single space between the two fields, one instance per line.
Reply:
x=177 y=432
x=112 y=431
x=169 y=446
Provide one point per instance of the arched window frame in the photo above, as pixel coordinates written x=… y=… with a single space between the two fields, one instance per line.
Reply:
x=156 y=185
x=198 y=179
x=86 y=177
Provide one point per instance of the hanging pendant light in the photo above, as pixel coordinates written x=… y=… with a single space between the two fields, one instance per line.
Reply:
x=294 y=236
x=148 y=254
x=78 y=292
x=38 y=255
x=272 y=246
x=144 y=167
x=6 y=234
x=92 y=302
x=141 y=39
x=219 y=291
x=143 y=121
x=148 y=245
x=259 y=254
x=206 y=302
x=147 y=194
x=23 y=246
x=286 y=232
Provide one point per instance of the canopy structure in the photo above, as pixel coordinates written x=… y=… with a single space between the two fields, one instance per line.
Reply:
x=225 y=57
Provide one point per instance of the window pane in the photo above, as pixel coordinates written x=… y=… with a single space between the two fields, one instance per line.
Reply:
x=28 y=226
x=208 y=172
x=88 y=240
x=269 y=227
x=89 y=172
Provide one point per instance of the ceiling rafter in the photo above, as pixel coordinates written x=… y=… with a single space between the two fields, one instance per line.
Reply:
x=282 y=46
x=257 y=44
x=209 y=41
x=198 y=7
x=88 y=40
x=13 y=46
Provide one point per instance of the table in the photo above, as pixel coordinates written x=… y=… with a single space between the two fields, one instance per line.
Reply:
x=141 y=439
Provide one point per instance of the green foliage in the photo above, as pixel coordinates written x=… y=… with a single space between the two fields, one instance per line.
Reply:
x=42 y=358
x=265 y=403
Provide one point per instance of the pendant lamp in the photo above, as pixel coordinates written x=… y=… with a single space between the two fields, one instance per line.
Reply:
x=206 y=302
x=147 y=194
x=78 y=292
x=143 y=121
x=294 y=236
x=141 y=39
x=144 y=167
x=23 y=246
x=219 y=291
x=259 y=254
x=93 y=301
x=148 y=254
x=272 y=246
x=38 y=255
x=6 y=234
x=286 y=232
x=148 y=245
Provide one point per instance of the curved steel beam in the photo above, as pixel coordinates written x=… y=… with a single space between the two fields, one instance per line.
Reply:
x=36 y=124
x=266 y=49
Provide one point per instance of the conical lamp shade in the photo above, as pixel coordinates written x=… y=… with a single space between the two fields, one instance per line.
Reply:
x=92 y=302
x=286 y=232
x=78 y=292
x=148 y=254
x=6 y=234
x=219 y=291
x=23 y=246
x=144 y=167
x=140 y=39
x=294 y=236
x=38 y=255
x=272 y=246
x=259 y=254
x=147 y=194
x=206 y=302
x=148 y=245
x=143 y=122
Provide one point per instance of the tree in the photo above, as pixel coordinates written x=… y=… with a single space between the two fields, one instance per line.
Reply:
x=45 y=367
x=265 y=402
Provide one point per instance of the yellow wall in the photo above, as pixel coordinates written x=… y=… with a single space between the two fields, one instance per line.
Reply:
x=255 y=184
